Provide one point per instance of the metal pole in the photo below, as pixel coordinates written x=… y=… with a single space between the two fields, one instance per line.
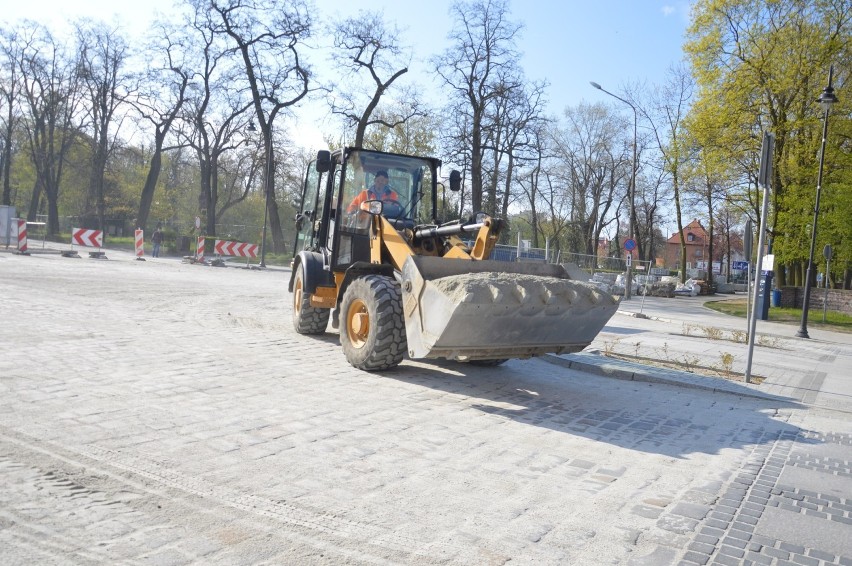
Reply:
x=748 y=295
x=753 y=322
x=630 y=225
x=632 y=189
x=825 y=297
x=827 y=98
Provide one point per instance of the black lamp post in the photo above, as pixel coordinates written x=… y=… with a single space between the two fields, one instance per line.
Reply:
x=628 y=290
x=826 y=99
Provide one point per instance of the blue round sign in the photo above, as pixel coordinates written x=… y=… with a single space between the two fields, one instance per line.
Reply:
x=629 y=244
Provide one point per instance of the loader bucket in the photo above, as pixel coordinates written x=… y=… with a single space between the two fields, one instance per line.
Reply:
x=485 y=310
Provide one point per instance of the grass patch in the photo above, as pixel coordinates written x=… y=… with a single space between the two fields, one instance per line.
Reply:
x=836 y=321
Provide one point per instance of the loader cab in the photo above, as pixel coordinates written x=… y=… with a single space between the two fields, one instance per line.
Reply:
x=333 y=235
x=406 y=186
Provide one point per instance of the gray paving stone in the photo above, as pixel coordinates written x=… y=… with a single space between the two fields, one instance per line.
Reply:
x=230 y=439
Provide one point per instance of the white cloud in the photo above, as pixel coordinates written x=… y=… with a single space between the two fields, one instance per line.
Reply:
x=668 y=10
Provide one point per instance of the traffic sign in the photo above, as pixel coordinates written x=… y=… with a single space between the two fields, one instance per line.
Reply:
x=741 y=265
x=629 y=258
x=629 y=244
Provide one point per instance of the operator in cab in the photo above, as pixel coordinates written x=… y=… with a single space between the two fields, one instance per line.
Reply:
x=380 y=190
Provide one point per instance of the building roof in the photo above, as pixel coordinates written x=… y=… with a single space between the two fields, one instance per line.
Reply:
x=694 y=228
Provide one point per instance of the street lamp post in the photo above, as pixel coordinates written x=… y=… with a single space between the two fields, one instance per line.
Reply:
x=826 y=99
x=628 y=290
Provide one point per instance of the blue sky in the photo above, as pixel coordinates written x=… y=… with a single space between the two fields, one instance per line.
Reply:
x=566 y=42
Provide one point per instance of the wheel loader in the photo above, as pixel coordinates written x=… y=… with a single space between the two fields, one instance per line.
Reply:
x=397 y=281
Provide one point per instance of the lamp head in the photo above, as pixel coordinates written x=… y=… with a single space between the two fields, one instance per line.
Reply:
x=827 y=98
x=596 y=85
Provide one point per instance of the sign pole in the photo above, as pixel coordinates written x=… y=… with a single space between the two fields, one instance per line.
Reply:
x=763 y=179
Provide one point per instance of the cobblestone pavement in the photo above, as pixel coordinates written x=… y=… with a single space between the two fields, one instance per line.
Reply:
x=166 y=414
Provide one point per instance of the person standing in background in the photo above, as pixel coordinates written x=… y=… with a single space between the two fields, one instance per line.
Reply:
x=157 y=240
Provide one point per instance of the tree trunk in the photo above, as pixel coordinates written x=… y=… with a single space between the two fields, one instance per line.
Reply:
x=32 y=212
x=147 y=196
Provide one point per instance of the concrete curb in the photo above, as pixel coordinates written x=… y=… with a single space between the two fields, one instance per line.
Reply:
x=594 y=363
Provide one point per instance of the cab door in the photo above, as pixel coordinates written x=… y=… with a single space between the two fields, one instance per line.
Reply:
x=307 y=224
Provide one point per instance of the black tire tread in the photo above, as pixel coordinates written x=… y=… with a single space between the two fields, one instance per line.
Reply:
x=386 y=345
x=308 y=319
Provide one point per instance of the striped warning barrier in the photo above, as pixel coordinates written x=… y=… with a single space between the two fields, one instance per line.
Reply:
x=89 y=238
x=238 y=249
x=22 y=236
x=140 y=244
x=199 y=249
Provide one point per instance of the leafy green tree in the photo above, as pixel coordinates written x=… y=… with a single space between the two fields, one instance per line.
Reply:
x=759 y=66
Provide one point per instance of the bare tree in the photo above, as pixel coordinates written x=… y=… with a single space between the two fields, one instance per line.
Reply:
x=9 y=88
x=102 y=54
x=365 y=44
x=666 y=119
x=595 y=159
x=521 y=110
x=476 y=67
x=51 y=115
x=159 y=103
x=214 y=115
x=268 y=36
x=530 y=179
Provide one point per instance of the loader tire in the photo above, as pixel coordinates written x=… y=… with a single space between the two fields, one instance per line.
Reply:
x=372 y=329
x=306 y=319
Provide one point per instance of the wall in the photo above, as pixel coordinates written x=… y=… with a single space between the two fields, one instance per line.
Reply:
x=838 y=299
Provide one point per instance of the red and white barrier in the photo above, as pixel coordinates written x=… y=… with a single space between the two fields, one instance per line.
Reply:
x=199 y=249
x=238 y=249
x=140 y=243
x=22 y=236
x=90 y=238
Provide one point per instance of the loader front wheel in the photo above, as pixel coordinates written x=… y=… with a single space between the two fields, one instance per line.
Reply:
x=306 y=319
x=372 y=330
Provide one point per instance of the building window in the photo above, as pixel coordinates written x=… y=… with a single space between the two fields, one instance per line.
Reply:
x=690 y=237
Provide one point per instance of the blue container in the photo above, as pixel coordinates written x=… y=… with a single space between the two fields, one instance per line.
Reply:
x=776 y=297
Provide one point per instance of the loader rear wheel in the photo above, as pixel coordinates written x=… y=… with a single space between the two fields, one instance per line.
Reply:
x=306 y=319
x=372 y=330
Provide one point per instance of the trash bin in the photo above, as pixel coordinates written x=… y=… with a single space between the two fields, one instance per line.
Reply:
x=776 y=297
x=183 y=243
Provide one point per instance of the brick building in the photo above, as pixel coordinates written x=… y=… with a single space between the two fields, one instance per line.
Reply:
x=697 y=247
